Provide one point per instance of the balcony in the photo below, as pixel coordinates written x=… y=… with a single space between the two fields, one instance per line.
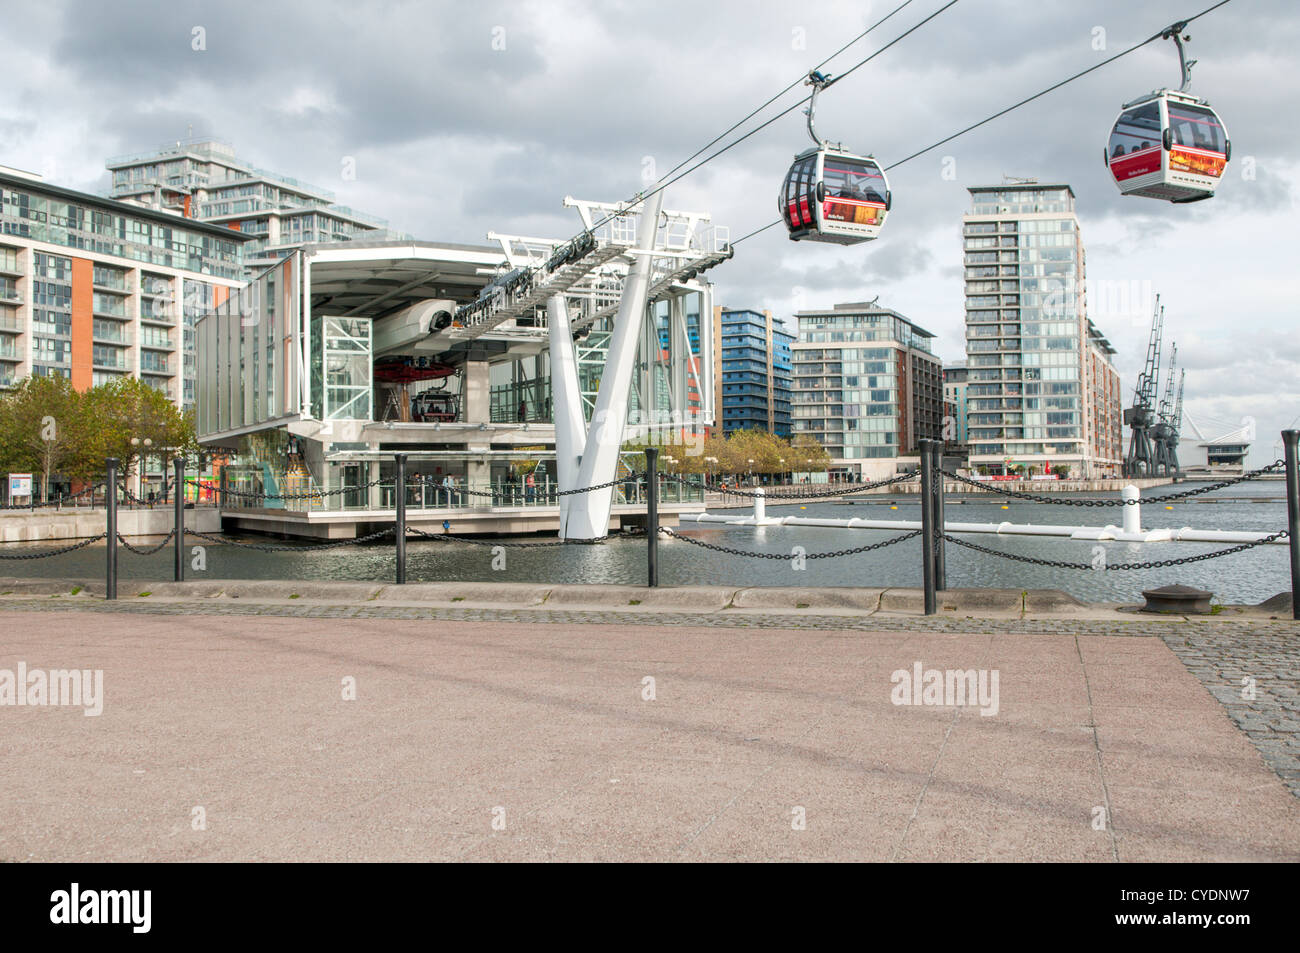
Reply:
x=9 y=353
x=112 y=335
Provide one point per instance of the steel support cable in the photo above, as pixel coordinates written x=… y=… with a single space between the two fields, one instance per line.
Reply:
x=641 y=197
x=1025 y=101
x=722 y=135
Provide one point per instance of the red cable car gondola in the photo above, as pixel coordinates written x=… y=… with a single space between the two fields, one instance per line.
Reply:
x=1169 y=144
x=831 y=195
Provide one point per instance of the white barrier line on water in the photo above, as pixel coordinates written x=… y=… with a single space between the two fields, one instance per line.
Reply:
x=1131 y=532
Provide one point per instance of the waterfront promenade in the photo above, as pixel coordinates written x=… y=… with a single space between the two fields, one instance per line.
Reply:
x=612 y=723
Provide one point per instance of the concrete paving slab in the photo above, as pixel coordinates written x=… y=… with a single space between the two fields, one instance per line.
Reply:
x=247 y=718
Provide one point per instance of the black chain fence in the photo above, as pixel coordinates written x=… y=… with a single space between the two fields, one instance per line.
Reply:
x=292 y=548
x=47 y=553
x=145 y=550
x=308 y=495
x=800 y=495
x=1065 y=501
x=1154 y=564
x=414 y=533
x=60 y=501
x=752 y=555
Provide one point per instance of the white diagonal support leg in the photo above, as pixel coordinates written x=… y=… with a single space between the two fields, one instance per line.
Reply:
x=570 y=428
x=589 y=512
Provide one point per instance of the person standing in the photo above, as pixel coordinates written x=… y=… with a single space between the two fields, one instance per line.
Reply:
x=530 y=487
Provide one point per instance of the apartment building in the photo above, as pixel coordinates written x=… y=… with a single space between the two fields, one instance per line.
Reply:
x=867 y=386
x=1042 y=393
x=92 y=289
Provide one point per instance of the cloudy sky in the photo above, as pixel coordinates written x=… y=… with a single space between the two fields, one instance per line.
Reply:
x=460 y=118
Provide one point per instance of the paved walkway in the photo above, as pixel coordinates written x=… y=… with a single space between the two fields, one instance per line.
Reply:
x=760 y=743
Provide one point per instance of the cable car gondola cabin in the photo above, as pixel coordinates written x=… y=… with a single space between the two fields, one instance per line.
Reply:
x=834 y=196
x=1168 y=145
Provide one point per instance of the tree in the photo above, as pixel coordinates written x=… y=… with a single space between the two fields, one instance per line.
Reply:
x=128 y=409
x=42 y=429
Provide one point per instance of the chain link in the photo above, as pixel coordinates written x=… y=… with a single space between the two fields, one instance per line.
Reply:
x=59 y=502
x=309 y=495
x=447 y=537
x=45 y=554
x=1160 y=564
x=143 y=551
x=742 y=552
x=159 y=498
x=300 y=547
x=1253 y=474
x=1033 y=498
x=800 y=495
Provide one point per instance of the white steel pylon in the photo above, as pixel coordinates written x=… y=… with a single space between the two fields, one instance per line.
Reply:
x=570 y=428
x=587 y=515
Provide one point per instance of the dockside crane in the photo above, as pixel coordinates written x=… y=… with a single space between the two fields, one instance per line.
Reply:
x=1141 y=417
x=1162 y=434
x=1176 y=425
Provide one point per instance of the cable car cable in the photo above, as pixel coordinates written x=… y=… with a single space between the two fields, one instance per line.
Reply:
x=735 y=142
x=1137 y=46
x=1003 y=112
x=737 y=125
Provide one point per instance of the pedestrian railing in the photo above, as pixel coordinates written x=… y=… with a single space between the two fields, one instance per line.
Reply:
x=933 y=532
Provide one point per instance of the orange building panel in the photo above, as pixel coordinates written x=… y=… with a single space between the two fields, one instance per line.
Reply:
x=83 y=276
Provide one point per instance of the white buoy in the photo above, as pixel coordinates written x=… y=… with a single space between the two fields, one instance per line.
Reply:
x=760 y=506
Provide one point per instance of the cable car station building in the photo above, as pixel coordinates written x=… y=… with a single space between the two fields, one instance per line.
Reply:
x=475 y=361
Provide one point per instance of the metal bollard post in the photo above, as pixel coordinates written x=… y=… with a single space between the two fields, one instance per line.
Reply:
x=1290 y=439
x=927 y=527
x=399 y=489
x=940 y=566
x=652 y=516
x=110 y=521
x=178 y=466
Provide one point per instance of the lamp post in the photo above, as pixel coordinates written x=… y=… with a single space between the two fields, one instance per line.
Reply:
x=146 y=443
x=751 y=471
x=781 y=460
